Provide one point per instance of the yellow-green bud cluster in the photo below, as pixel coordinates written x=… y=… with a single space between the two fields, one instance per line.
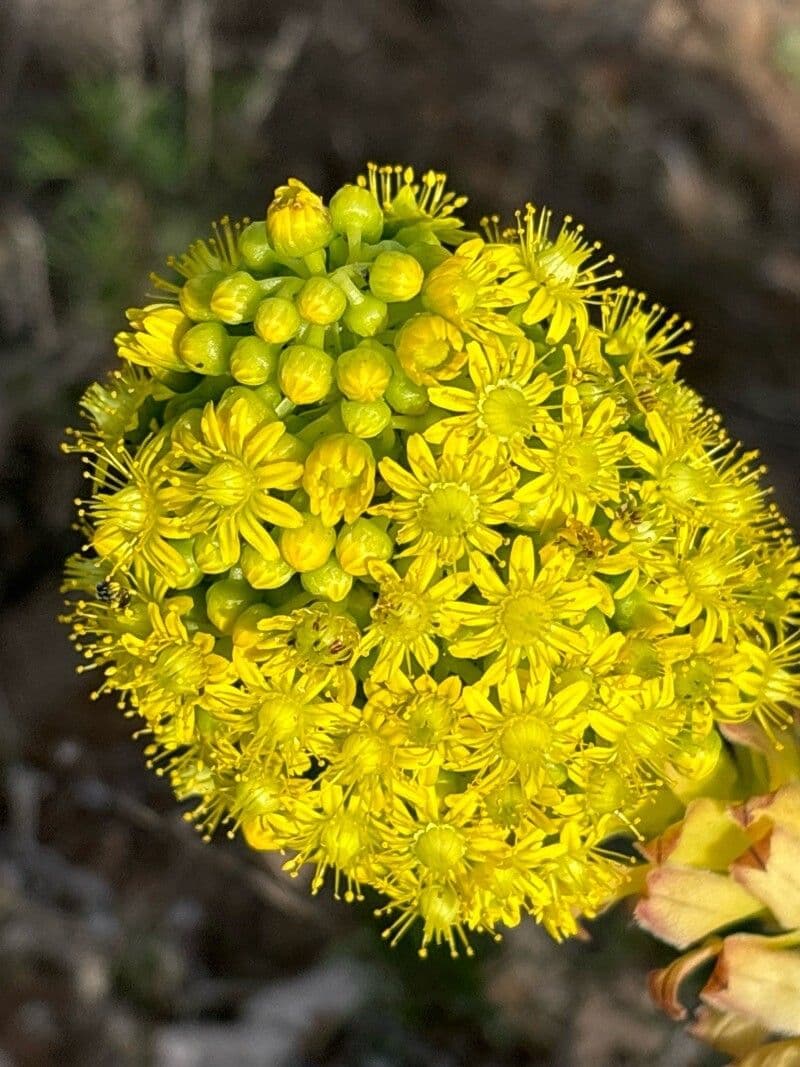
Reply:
x=415 y=556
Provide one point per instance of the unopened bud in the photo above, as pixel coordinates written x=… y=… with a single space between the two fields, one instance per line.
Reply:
x=361 y=542
x=307 y=547
x=363 y=372
x=356 y=211
x=367 y=317
x=305 y=374
x=253 y=361
x=264 y=573
x=430 y=349
x=226 y=600
x=328 y=581
x=276 y=320
x=395 y=276
x=365 y=419
x=321 y=301
x=236 y=298
x=255 y=249
x=206 y=348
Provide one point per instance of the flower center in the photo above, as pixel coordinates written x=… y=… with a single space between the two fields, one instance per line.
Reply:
x=428 y=720
x=181 y=669
x=228 y=483
x=401 y=615
x=524 y=740
x=449 y=509
x=324 y=639
x=440 y=848
x=279 y=717
x=577 y=460
x=525 y=618
x=505 y=411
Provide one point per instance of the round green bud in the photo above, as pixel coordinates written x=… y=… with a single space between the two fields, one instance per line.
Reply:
x=356 y=211
x=270 y=395
x=298 y=223
x=363 y=372
x=361 y=542
x=246 y=634
x=206 y=348
x=307 y=547
x=395 y=276
x=264 y=573
x=255 y=249
x=195 y=296
x=365 y=419
x=368 y=317
x=305 y=374
x=405 y=396
x=253 y=361
x=321 y=301
x=193 y=575
x=236 y=298
x=328 y=581
x=226 y=600
x=276 y=320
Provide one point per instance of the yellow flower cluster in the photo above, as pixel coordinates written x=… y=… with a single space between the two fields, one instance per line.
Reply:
x=417 y=559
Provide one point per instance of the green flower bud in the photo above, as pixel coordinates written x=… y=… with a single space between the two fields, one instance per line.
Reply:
x=195 y=296
x=246 y=634
x=405 y=396
x=361 y=542
x=307 y=547
x=363 y=372
x=365 y=419
x=305 y=374
x=240 y=394
x=276 y=320
x=328 y=581
x=298 y=223
x=206 y=348
x=270 y=395
x=321 y=301
x=253 y=361
x=395 y=276
x=264 y=573
x=367 y=317
x=226 y=600
x=356 y=211
x=255 y=249
x=236 y=298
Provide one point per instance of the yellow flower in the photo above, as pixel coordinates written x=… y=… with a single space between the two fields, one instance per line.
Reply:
x=576 y=465
x=448 y=506
x=506 y=399
x=426 y=206
x=133 y=525
x=236 y=461
x=430 y=349
x=532 y=617
x=561 y=271
x=455 y=683
x=339 y=478
x=411 y=611
x=174 y=673
x=467 y=289
x=524 y=734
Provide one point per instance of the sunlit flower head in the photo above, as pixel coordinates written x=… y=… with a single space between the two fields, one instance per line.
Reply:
x=418 y=562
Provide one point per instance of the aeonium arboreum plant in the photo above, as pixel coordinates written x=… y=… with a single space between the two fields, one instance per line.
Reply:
x=416 y=558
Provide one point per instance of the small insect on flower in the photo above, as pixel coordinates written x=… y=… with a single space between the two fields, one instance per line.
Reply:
x=416 y=558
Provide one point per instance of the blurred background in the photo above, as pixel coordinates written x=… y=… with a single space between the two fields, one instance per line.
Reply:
x=670 y=127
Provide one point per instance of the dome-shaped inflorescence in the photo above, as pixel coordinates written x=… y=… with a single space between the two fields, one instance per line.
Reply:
x=415 y=556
